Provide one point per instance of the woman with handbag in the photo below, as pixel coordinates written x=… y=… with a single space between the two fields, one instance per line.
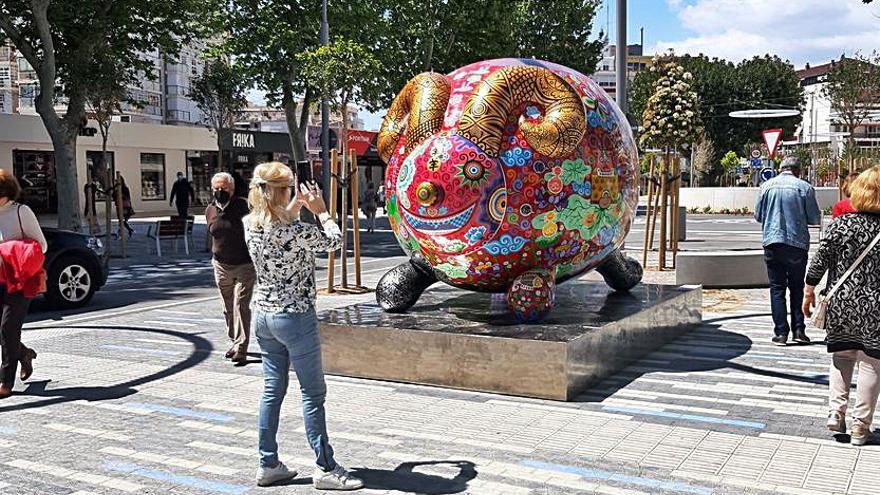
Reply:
x=850 y=310
x=17 y=222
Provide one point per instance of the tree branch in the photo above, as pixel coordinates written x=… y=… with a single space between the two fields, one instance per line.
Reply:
x=26 y=48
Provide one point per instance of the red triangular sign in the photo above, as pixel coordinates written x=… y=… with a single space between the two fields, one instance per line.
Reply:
x=772 y=138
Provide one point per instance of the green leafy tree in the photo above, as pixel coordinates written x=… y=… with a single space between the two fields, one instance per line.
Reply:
x=338 y=72
x=852 y=85
x=443 y=35
x=730 y=162
x=219 y=92
x=762 y=82
x=63 y=39
x=266 y=38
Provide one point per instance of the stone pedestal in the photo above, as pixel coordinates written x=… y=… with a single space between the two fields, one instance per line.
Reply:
x=467 y=340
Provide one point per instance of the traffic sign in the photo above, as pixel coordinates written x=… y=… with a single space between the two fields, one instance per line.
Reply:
x=772 y=138
x=756 y=153
x=757 y=163
x=767 y=174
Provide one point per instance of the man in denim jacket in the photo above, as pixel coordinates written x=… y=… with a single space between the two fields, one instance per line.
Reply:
x=786 y=206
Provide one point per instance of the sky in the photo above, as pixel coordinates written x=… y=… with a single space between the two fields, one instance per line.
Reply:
x=800 y=31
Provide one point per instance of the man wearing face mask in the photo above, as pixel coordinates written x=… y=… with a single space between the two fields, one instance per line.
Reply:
x=233 y=269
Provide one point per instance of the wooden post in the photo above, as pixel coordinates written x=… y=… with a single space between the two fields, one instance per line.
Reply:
x=676 y=192
x=664 y=216
x=344 y=178
x=120 y=219
x=108 y=215
x=648 y=212
x=655 y=211
x=90 y=205
x=331 y=256
x=356 y=218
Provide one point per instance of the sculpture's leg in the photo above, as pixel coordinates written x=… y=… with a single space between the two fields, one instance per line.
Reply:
x=620 y=272
x=401 y=287
x=532 y=294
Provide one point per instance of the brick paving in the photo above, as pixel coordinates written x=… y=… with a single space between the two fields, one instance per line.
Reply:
x=141 y=401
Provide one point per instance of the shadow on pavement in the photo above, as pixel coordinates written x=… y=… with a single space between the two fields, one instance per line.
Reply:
x=404 y=478
x=119 y=390
x=696 y=359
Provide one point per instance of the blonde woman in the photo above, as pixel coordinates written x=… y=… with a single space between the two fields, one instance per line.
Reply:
x=853 y=318
x=284 y=322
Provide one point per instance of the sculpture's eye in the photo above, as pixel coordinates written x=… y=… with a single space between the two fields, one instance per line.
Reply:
x=472 y=174
x=428 y=194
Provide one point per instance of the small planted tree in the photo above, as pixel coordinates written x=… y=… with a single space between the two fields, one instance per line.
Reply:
x=730 y=162
x=670 y=119
x=219 y=92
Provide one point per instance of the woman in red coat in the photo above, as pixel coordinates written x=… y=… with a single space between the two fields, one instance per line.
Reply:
x=17 y=222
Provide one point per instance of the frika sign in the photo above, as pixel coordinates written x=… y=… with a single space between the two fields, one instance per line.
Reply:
x=772 y=138
x=242 y=140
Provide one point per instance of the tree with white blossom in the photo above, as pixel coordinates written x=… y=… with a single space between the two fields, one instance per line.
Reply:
x=671 y=119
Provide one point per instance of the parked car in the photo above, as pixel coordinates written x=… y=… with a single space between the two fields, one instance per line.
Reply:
x=75 y=266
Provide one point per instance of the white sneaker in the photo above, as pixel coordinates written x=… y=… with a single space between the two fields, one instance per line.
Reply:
x=269 y=475
x=836 y=422
x=338 y=479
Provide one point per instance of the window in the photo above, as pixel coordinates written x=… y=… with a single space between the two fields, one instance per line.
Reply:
x=35 y=171
x=152 y=176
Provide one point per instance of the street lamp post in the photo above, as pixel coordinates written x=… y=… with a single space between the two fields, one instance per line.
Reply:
x=325 y=114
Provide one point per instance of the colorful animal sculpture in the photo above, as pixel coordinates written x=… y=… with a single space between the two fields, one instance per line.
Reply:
x=507 y=176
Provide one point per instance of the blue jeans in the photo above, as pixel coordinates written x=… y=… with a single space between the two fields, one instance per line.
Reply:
x=786 y=269
x=291 y=340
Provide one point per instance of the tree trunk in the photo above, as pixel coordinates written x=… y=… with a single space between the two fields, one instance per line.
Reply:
x=296 y=124
x=65 y=180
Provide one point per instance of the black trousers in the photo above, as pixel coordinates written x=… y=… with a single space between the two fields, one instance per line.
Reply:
x=13 y=308
x=786 y=269
x=183 y=209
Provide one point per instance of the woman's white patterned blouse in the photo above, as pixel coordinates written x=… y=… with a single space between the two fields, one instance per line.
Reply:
x=284 y=258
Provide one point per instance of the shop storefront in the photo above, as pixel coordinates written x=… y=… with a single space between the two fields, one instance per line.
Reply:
x=147 y=156
x=244 y=150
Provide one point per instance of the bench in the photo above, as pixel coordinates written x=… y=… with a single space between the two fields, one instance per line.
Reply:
x=722 y=269
x=173 y=229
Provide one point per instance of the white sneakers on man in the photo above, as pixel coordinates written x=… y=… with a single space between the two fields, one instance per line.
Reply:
x=338 y=479
x=269 y=475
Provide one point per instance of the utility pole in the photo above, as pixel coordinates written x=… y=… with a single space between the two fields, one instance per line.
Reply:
x=622 y=52
x=325 y=115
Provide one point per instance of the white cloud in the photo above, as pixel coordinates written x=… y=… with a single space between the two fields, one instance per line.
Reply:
x=802 y=31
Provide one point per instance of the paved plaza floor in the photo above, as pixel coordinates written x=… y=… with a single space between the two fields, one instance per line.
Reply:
x=142 y=401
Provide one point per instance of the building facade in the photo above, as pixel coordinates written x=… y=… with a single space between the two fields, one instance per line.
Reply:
x=606 y=70
x=161 y=96
x=147 y=155
x=822 y=124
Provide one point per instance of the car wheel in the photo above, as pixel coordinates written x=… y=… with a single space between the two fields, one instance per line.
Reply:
x=70 y=284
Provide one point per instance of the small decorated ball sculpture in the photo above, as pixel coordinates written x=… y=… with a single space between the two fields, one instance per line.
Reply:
x=507 y=176
x=531 y=295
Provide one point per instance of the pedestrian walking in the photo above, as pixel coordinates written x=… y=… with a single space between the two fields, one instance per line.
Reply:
x=849 y=252
x=21 y=279
x=127 y=209
x=381 y=194
x=370 y=205
x=844 y=206
x=786 y=206
x=284 y=320
x=183 y=193
x=233 y=269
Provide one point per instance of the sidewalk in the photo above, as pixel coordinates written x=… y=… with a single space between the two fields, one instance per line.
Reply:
x=145 y=403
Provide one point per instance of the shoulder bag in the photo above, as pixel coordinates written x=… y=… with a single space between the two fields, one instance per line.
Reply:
x=820 y=316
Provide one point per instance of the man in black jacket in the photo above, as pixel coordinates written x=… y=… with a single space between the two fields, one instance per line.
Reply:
x=233 y=270
x=184 y=193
